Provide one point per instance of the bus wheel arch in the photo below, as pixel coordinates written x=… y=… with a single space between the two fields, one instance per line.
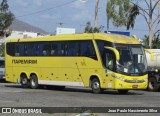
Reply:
x=95 y=84
x=33 y=81
x=24 y=81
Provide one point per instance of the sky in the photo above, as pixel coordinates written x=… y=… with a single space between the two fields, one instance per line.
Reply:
x=47 y=14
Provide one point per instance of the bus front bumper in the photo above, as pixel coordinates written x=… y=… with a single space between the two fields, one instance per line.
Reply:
x=131 y=85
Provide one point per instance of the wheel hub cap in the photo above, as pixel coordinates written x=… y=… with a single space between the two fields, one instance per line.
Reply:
x=96 y=85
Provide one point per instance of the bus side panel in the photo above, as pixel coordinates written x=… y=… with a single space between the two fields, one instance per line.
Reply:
x=49 y=74
x=89 y=67
x=56 y=71
x=109 y=80
x=9 y=74
x=65 y=74
x=8 y=68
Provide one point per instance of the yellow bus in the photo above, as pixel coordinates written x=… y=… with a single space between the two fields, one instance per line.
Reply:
x=99 y=61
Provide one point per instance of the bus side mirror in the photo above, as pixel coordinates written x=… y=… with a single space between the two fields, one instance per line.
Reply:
x=116 y=52
x=151 y=54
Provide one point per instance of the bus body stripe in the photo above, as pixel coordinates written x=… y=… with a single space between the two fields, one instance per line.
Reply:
x=64 y=83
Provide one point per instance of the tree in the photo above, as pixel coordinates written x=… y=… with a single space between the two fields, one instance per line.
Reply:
x=155 y=42
x=6 y=18
x=122 y=13
x=151 y=14
x=149 y=9
x=90 y=29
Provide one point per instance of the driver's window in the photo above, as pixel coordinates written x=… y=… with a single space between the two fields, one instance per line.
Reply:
x=109 y=58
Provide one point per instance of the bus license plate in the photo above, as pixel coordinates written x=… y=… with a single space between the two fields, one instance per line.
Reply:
x=134 y=86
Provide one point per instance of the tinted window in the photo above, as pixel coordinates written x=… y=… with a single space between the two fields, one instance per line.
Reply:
x=10 y=48
x=65 y=48
x=101 y=44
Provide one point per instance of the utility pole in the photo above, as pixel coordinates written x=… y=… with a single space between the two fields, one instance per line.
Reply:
x=107 y=23
x=96 y=15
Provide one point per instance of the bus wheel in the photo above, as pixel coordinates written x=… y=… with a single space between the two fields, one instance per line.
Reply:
x=152 y=84
x=34 y=82
x=122 y=91
x=95 y=85
x=24 y=81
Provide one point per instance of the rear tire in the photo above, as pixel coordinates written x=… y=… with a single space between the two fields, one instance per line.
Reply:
x=24 y=81
x=34 y=82
x=152 y=84
x=95 y=85
x=123 y=92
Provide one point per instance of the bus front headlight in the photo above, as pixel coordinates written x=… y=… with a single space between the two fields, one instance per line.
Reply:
x=119 y=78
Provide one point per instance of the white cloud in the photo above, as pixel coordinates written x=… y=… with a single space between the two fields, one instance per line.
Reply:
x=79 y=5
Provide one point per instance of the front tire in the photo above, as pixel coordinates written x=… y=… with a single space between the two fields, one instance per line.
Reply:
x=95 y=85
x=152 y=84
x=34 y=82
x=24 y=81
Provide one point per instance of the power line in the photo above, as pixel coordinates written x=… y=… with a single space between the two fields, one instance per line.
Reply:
x=47 y=9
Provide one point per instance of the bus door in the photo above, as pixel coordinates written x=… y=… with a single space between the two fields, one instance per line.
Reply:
x=109 y=62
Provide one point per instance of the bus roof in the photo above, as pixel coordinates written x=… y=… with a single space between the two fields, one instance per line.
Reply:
x=115 y=38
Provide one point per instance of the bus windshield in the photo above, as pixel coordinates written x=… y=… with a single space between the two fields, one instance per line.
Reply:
x=132 y=59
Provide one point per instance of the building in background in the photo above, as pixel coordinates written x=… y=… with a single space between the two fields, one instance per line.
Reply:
x=65 y=31
x=21 y=34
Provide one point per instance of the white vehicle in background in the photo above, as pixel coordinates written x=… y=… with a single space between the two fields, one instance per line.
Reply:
x=2 y=68
x=153 y=70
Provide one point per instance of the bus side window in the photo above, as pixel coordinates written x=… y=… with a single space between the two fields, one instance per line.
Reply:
x=72 y=48
x=58 y=49
x=10 y=48
x=54 y=49
x=87 y=49
x=17 y=49
x=78 y=49
x=25 y=50
x=91 y=51
x=84 y=46
x=46 y=49
x=52 y=52
x=37 y=49
x=64 y=48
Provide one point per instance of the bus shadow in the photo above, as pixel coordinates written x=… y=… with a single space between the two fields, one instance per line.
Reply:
x=106 y=92
x=116 y=93
x=20 y=87
x=3 y=81
x=15 y=86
